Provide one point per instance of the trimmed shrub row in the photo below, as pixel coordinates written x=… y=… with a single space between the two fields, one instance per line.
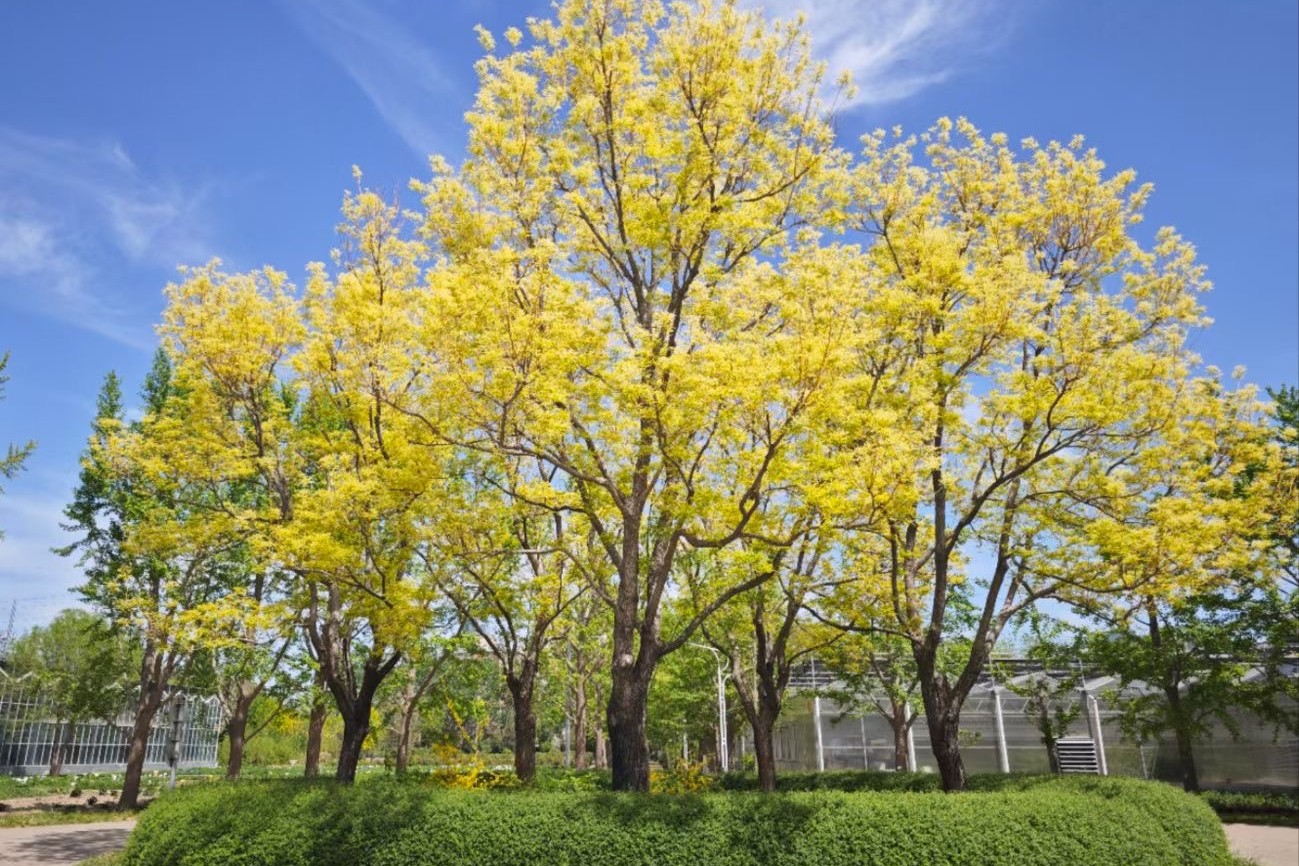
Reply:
x=390 y=823
x=1255 y=808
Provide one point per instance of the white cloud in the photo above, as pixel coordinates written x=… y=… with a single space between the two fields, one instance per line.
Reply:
x=73 y=215
x=896 y=48
x=398 y=74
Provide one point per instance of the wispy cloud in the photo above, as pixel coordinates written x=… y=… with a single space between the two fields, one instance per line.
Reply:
x=74 y=216
x=896 y=48
x=398 y=74
x=30 y=572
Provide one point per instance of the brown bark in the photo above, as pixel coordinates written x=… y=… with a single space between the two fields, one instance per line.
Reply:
x=628 y=701
x=146 y=709
x=64 y=733
x=1185 y=742
x=764 y=749
x=155 y=672
x=237 y=727
x=944 y=733
x=332 y=644
x=356 y=717
x=315 y=733
x=900 y=724
x=525 y=723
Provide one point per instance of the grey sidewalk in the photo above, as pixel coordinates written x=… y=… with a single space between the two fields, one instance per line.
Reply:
x=61 y=844
x=1269 y=846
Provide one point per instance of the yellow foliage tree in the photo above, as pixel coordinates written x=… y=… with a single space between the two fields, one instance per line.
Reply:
x=1033 y=350
x=294 y=420
x=630 y=285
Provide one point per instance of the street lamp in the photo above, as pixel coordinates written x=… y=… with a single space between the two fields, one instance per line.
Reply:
x=723 y=746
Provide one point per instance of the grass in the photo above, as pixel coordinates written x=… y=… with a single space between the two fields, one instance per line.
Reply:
x=115 y=859
x=49 y=817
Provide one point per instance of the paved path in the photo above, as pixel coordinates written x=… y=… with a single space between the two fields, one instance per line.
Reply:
x=61 y=844
x=1269 y=846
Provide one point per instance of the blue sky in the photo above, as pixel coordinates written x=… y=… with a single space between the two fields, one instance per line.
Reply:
x=136 y=136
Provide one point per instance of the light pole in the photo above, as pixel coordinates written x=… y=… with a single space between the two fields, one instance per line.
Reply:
x=723 y=748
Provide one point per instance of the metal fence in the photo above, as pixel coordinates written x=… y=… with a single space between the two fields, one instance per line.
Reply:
x=1260 y=757
x=30 y=730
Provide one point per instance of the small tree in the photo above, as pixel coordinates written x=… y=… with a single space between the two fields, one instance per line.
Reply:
x=1050 y=694
x=1199 y=663
x=764 y=634
x=878 y=675
x=82 y=669
x=1196 y=532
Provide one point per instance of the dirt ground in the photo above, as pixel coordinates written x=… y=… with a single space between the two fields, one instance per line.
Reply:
x=51 y=802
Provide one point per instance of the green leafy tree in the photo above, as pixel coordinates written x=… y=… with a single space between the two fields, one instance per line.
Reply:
x=82 y=668
x=1199 y=660
x=1050 y=694
x=149 y=589
x=765 y=633
x=878 y=675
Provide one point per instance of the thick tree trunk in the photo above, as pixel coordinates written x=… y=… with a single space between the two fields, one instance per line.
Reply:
x=628 y=701
x=356 y=715
x=315 y=733
x=944 y=733
x=764 y=749
x=525 y=726
x=1186 y=757
x=356 y=727
x=236 y=730
x=942 y=716
x=146 y=709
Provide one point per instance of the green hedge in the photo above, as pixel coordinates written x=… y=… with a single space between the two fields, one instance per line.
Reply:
x=1255 y=808
x=388 y=823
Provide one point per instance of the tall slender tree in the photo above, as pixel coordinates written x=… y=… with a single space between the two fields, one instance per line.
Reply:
x=139 y=573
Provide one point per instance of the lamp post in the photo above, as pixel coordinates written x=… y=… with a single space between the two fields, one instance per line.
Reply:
x=723 y=748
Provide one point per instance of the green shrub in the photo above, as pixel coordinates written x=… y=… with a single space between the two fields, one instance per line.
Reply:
x=842 y=780
x=395 y=823
x=1225 y=802
x=1255 y=808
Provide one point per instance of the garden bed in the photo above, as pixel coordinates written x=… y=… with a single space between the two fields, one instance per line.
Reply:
x=1039 y=821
